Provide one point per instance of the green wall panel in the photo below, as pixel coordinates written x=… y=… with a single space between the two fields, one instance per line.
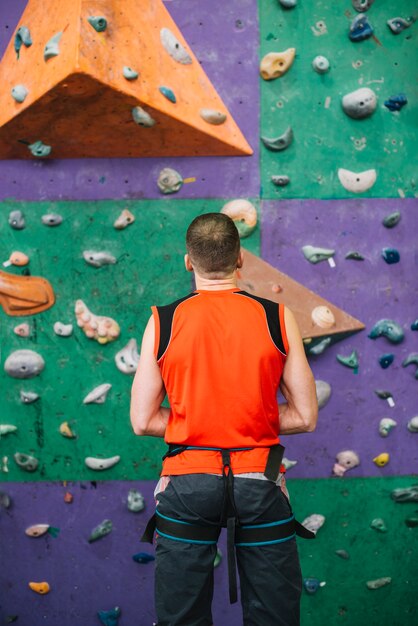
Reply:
x=325 y=138
x=349 y=505
x=149 y=271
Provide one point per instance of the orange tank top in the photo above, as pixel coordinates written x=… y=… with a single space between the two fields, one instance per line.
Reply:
x=221 y=356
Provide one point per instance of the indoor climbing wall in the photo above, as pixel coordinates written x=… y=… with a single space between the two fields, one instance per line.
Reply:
x=332 y=179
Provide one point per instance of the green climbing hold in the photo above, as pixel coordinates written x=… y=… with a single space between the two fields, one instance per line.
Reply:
x=103 y=529
x=349 y=361
x=39 y=149
x=22 y=37
x=98 y=22
x=168 y=93
x=52 y=47
x=129 y=73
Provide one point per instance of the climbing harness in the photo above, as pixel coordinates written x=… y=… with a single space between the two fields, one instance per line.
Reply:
x=247 y=535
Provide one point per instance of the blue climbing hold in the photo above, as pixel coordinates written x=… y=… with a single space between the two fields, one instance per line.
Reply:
x=168 y=93
x=391 y=255
x=389 y=329
x=22 y=37
x=311 y=585
x=386 y=359
x=109 y=618
x=414 y=325
x=395 y=103
x=360 y=28
x=143 y=557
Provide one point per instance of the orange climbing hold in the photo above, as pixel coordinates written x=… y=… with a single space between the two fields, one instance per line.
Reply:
x=25 y=295
x=79 y=103
x=41 y=588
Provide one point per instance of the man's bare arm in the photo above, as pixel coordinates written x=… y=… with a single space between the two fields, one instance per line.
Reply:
x=299 y=413
x=148 y=417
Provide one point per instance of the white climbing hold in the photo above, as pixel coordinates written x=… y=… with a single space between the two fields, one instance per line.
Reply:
x=357 y=182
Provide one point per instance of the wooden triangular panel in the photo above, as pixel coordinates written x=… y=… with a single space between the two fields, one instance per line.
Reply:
x=262 y=279
x=81 y=105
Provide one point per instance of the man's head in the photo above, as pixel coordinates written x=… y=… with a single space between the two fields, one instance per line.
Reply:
x=213 y=245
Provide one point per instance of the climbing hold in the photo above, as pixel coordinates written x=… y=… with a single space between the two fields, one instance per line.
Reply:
x=384 y=395
x=98 y=394
x=39 y=149
x=279 y=143
x=129 y=73
x=315 y=255
x=288 y=4
x=168 y=93
x=411 y=359
x=17 y=258
x=413 y=424
x=142 y=118
x=101 y=464
x=24 y=364
x=63 y=330
x=405 y=494
x=5 y=429
x=19 y=93
x=385 y=426
x=136 y=501
x=127 y=359
x=385 y=360
x=169 y=181
x=343 y=554
x=379 y=582
x=98 y=259
x=22 y=37
x=314 y=522
x=412 y=522
x=174 y=48
x=22 y=330
x=37 y=530
x=354 y=256
x=398 y=24
x=218 y=558
x=382 y=459
x=109 y=618
x=319 y=347
x=52 y=47
x=275 y=64
x=346 y=460
x=26 y=461
x=323 y=317
x=379 y=524
x=212 y=117
x=320 y=64
x=362 y=5
x=68 y=497
x=414 y=325
x=102 y=329
x=312 y=585
x=389 y=329
x=395 y=103
x=392 y=219
x=349 y=361
x=288 y=464
x=244 y=215
x=323 y=392
x=17 y=220
x=5 y=500
x=66 y=431
x=357 y=182
x=360 y=28
x=280 y=180
x=41 y=588
x=98 y=22
x=360 y=103
x=27 y=397
x=51 y=219
x=391 y=255
x=103 y=529
x=143 y=557
x=125 y=219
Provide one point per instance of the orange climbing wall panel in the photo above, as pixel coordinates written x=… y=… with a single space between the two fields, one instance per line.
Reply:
x=79 y=102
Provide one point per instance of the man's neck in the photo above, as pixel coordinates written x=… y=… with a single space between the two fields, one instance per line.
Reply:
x=215 y=284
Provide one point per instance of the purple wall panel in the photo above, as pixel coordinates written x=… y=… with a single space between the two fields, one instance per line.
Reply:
x=225 y=40
x=84 y=578
x=369 y=290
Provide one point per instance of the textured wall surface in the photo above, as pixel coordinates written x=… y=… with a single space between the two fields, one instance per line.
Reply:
x=228 y=38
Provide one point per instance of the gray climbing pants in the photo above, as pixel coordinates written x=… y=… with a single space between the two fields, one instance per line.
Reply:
x=270 y=576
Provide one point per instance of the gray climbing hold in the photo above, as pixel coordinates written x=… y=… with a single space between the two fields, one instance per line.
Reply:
x=52 y=48
x=22 y=37
x=280 y=180
x=343 y=554
x=174 y=48
x=98 y=395
x=103 y=529
x=411 y=359
x=359 y=104
x=389 y=329
x=98 y=22
x=379 y=524
x=24 y=364
x=314 y=522
x=316 y=255
x=386 y=425
x=169 y=181
x=279 y=143
x=98 y=464
x=136 y=501
x=379 y=582
x=98 y=259
x=413 y=424
x=216 y=118
x=39 y=149
x=357 y=182
x=6 y=429
x=320 y=346
x=63 y=330
x=323 y=392
x=127 y=359
x=354 y=256
x=320 y=64
x=129 y=73
x=405 y=494
x=17 y=220
x=51 y=219
x=362 y=5
x=288 y=4
x=28 y=397
x=142 y=118
x=19 y=93
x=392 y=219
x=399 y=24
x=26 y=461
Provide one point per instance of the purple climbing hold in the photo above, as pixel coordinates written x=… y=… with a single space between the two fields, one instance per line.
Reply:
x=395 y=103
x=360 y=28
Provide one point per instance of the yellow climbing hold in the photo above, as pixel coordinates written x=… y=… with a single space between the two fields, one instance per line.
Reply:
x=275 y=64
x=382 y=459
x=40 y=588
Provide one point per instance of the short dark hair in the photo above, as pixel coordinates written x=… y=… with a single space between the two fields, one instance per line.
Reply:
x=213 y=245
